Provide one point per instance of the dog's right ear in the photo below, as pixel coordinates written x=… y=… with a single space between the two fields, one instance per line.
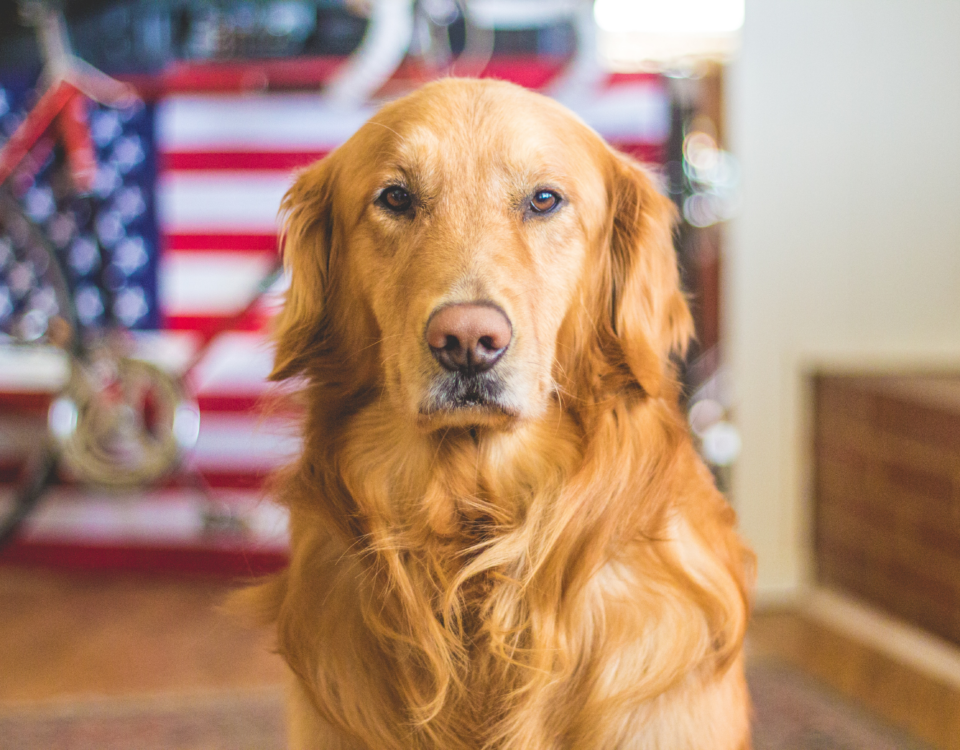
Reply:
x=649 y=313
x=300 y=329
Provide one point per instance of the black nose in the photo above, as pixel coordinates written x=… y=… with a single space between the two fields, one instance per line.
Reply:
x=468 y=338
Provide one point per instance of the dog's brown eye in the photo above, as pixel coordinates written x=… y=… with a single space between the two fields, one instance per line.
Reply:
x=395 y=199
x=544 y=201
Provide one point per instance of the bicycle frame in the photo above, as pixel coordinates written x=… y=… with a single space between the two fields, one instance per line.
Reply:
x=63 y=104
x=71 y=83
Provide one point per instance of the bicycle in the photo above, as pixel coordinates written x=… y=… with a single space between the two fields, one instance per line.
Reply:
x=120 y=422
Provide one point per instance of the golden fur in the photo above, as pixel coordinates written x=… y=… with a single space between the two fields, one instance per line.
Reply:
x=555 y=570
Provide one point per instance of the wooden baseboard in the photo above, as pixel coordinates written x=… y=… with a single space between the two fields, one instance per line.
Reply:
x=907 y=644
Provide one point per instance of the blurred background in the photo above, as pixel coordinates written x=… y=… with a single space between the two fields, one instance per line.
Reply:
x=809 y=148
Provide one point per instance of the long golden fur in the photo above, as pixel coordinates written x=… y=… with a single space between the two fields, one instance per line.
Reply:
x=551 y=568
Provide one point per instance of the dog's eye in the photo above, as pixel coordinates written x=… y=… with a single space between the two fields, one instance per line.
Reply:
x=395 y=199
x=544 y=201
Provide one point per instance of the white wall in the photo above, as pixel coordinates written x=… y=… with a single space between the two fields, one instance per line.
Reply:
x=845 y=115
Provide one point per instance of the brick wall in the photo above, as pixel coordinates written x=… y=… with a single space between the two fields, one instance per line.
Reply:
x=887 y=494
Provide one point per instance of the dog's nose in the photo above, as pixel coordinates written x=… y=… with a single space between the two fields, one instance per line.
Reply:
x=468 y=337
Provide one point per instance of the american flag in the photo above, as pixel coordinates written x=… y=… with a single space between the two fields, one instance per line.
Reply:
x=224 y=160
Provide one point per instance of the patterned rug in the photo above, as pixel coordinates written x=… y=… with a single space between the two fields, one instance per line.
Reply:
x=221 y=721
x=792 y=712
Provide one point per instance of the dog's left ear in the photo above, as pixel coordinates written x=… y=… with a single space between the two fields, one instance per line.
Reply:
x=650 y=316
x=299 y=329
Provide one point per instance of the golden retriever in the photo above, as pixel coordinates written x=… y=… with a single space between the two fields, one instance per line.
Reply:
x=502 y=537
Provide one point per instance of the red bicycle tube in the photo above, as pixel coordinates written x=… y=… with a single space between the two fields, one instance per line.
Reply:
x=74 y=127
x=34 y=126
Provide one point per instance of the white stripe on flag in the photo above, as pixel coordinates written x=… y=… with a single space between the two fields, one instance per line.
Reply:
x=238 y=443
x=629 y=113
x=235 y=363
x=171 y=516
x=266 y=122
x=637 y=111
x=245 y=443
x=209 y=283
x=29 y=369
x=228 y=202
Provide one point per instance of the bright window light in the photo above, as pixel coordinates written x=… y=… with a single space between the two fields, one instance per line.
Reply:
x=669 y=16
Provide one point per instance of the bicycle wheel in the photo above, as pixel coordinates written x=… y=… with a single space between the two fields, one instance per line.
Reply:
x=35 y=300
x=37 y=329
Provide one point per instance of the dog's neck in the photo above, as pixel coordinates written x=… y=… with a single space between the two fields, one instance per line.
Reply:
x=464 y=487
x=472 y=483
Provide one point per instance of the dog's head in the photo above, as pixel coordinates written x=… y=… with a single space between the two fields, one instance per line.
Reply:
x=473 y=251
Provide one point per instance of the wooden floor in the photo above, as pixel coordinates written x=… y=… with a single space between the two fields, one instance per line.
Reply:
x=71 y=636
x=926 y=708
x=68 y=637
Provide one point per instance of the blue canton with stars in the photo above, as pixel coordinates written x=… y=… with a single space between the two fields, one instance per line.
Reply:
x=107 y=242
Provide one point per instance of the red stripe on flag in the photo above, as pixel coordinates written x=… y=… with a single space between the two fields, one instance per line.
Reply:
x=649 y=153
x=210 y=325
x=219 y=242
x=238 y=161
x=10 y=469
x=220 y=402
x=181 y=479
x=223 y=479
x=223 y=77
x=25 y=402
x=309 y=72
x=266 y=400
x=532 y=72
x=626 y=78
x=231 y=560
